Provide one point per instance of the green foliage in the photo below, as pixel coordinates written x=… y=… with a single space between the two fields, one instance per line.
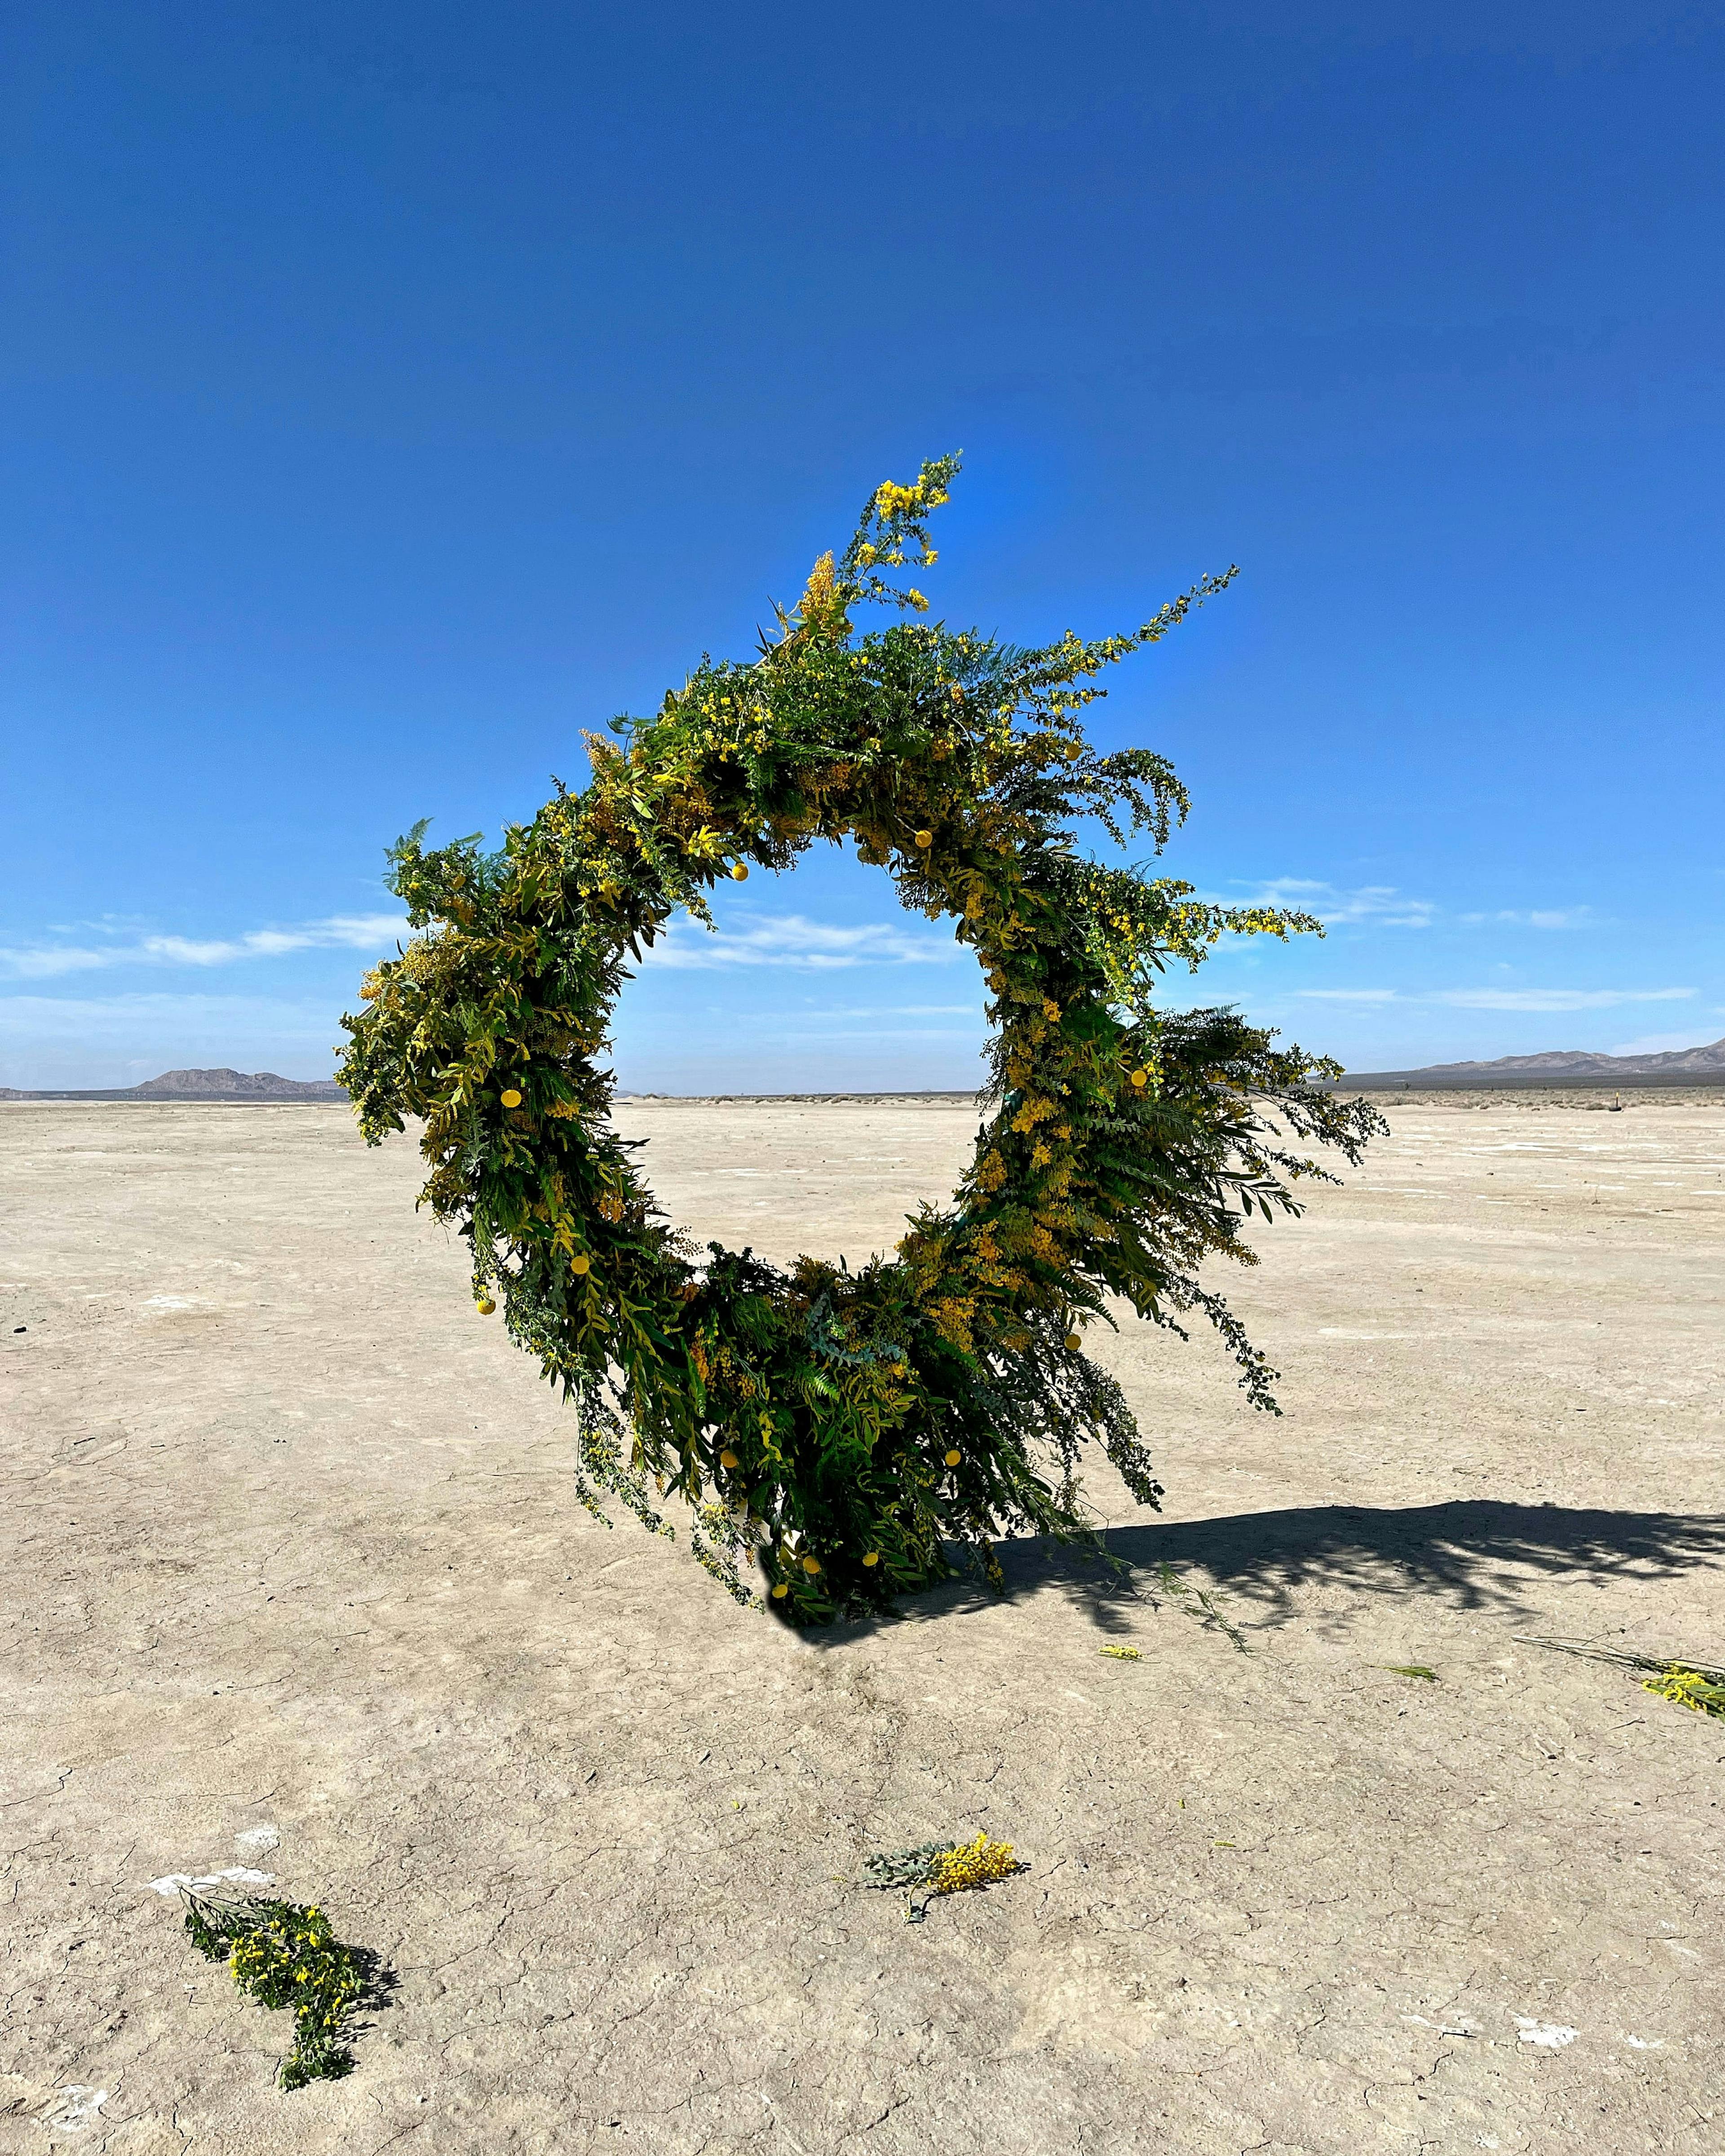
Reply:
x=283 y=1955
x=847 y=1431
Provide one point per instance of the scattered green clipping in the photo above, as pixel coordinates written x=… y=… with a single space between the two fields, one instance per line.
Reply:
x=284 y=1955
x=1120 y=1654
x=1409 y=1670
x=940 y=1867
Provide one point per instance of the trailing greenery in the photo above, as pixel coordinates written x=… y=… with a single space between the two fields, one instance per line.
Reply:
x=848 y=1432
x=284 y=1955
x=1200 y=1603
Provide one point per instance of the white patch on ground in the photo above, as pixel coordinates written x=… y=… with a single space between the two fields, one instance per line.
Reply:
x=239 y=1875
x=1548 y=2035
x=1644 y=2043
x=170 y=1302
x=256 y=1840
x=75 y=2107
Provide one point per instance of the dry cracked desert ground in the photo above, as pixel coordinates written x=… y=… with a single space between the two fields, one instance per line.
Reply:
x=297 y=1581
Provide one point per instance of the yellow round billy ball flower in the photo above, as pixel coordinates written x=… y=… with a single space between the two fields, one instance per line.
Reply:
x=1075 y=1341
x=811 y=1565
x=924 y=838
x=780 y=1591
x=728 y=1459
x=740 y=871
x=580 y=1264
x=511 y=1099
x=953 y=1457
x=1140 y=1078
x=485 y=1305
x=871 y=1557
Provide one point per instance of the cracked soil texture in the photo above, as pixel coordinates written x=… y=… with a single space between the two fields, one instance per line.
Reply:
x=292 y=1544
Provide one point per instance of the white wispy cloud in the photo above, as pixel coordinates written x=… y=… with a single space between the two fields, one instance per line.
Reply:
x=1383 y=906
x=1556 y=1000
x=1380 y=905
x=1550 y=916
x=344 y=931
x=1503 y=1000
x=792 y=939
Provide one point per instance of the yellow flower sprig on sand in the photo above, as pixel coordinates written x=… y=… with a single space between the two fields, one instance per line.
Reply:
x=941 y=1867
x=1689 y=1688
x=976 y=1863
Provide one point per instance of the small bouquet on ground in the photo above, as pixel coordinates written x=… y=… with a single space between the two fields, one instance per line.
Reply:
x=284 y=1955
x=941 y=1867
x=1698 y=1686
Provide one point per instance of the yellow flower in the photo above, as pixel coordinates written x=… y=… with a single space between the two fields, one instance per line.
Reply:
x=973 y=1864
x=953 y=1457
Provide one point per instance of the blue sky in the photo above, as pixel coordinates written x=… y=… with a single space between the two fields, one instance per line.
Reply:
x=393 y=392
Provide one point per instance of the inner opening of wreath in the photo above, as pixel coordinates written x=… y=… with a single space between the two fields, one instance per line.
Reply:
x=808 y=1071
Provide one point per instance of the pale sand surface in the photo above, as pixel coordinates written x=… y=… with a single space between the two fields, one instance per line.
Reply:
x=291 y=1543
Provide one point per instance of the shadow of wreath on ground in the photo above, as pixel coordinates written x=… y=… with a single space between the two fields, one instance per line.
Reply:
x=1476 y=1554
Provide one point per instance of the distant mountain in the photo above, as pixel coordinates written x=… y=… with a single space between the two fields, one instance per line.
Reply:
x=228 y=1087
x=264 y=1085
x=1563 y=1066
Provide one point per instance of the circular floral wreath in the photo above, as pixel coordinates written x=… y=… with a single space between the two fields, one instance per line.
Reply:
x=848 y=1434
